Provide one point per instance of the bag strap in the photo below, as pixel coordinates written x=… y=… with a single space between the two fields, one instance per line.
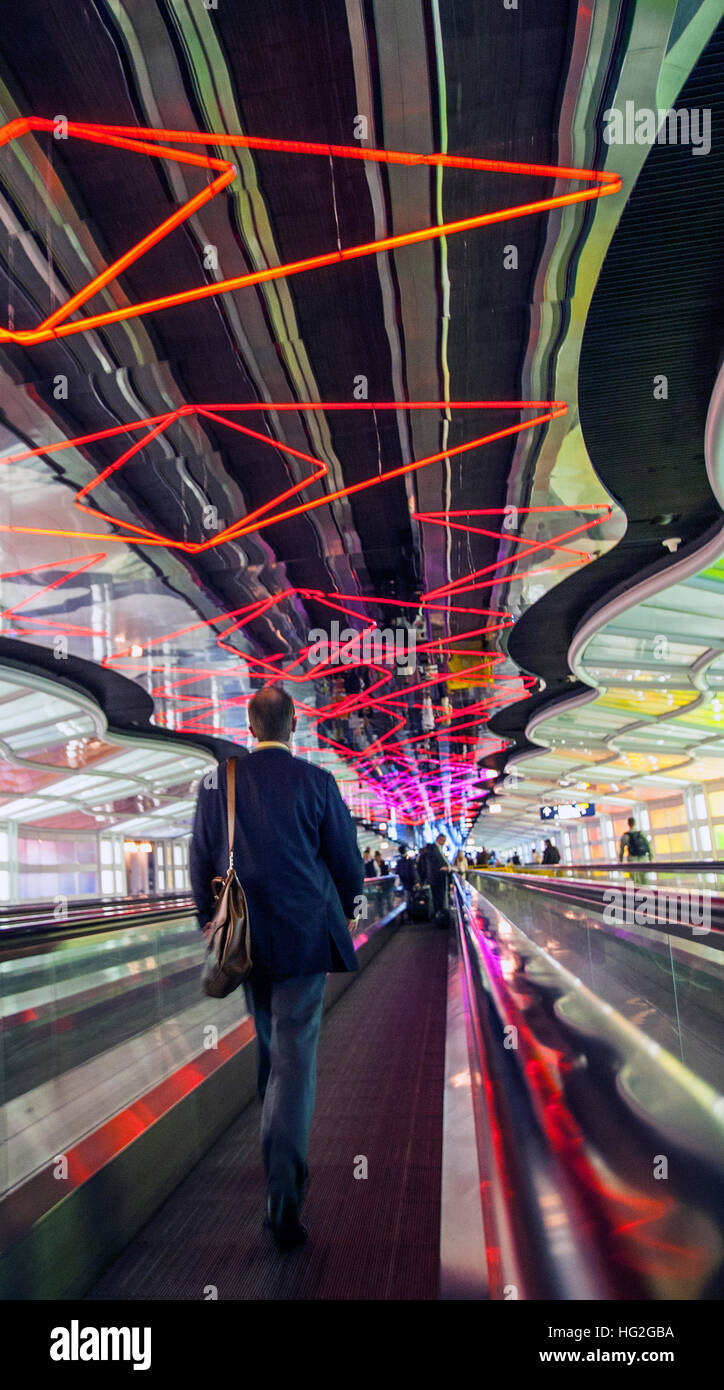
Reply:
x=231 y=806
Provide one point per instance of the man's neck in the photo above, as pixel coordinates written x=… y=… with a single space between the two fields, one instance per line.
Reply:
x=271 y=743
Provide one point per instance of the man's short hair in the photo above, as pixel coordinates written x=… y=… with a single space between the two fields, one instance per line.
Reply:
x=271 y=714
x=631 y=821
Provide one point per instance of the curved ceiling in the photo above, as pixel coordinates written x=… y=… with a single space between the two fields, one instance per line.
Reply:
x=329 y=475
x=649 y=360
x=62 y=768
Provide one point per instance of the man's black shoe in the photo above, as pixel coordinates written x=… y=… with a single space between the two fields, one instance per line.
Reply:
x=285 y=1226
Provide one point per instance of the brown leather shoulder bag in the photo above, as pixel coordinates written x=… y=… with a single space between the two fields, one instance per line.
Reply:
x=228 y=956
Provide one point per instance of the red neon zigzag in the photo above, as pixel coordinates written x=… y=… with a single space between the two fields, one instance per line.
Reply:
x=467 y=582
x=448 y=726
x=140 y=140
x=267 y=667
x=46 y=625
x=414 y=796
x=257 y=607
x=463 y=583
x=381 y=744
x=366 y=698
x=255 y=521
x=254 y=610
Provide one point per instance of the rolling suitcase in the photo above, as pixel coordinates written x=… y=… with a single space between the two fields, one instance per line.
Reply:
x=420 y=903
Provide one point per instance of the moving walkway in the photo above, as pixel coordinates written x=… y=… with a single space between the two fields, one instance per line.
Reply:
x=491 y=1121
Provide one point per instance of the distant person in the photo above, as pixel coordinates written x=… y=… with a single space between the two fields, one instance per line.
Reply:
x=515 y=861
x=635 y=846
x=370 y=867
x=437 y=874
x=406 y=870
x=551 y=854
x=634 y=843
x=382 y=865
x=460 y=862
x=483 y=858
x=296 y=856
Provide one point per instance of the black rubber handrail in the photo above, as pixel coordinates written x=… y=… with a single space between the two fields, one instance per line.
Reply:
x=95 y=916
x=36 y=922
x=39 y=906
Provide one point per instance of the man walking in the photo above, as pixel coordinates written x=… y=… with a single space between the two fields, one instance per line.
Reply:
x=296 y=855
x=634 y=844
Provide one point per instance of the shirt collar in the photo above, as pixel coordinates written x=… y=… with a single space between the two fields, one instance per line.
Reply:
x=270 y=743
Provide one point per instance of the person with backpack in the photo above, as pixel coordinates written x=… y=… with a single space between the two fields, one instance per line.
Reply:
x=551 y=853
x=635 y=845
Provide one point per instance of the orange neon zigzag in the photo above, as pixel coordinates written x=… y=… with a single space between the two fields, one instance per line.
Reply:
x=265 y=515
x=141 y=141
x=267 y=668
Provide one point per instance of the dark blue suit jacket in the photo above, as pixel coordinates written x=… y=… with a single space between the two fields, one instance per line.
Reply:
x=295 y=852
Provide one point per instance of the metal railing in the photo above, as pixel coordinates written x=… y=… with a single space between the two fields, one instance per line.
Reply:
x=21 y=922
x=679 y=908
x=712 y=869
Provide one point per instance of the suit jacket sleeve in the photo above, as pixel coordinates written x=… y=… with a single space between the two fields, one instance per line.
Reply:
x=338 y=843
x=201 y=864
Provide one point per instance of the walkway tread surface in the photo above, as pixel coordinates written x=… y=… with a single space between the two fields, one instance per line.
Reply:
x=379 y=1095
